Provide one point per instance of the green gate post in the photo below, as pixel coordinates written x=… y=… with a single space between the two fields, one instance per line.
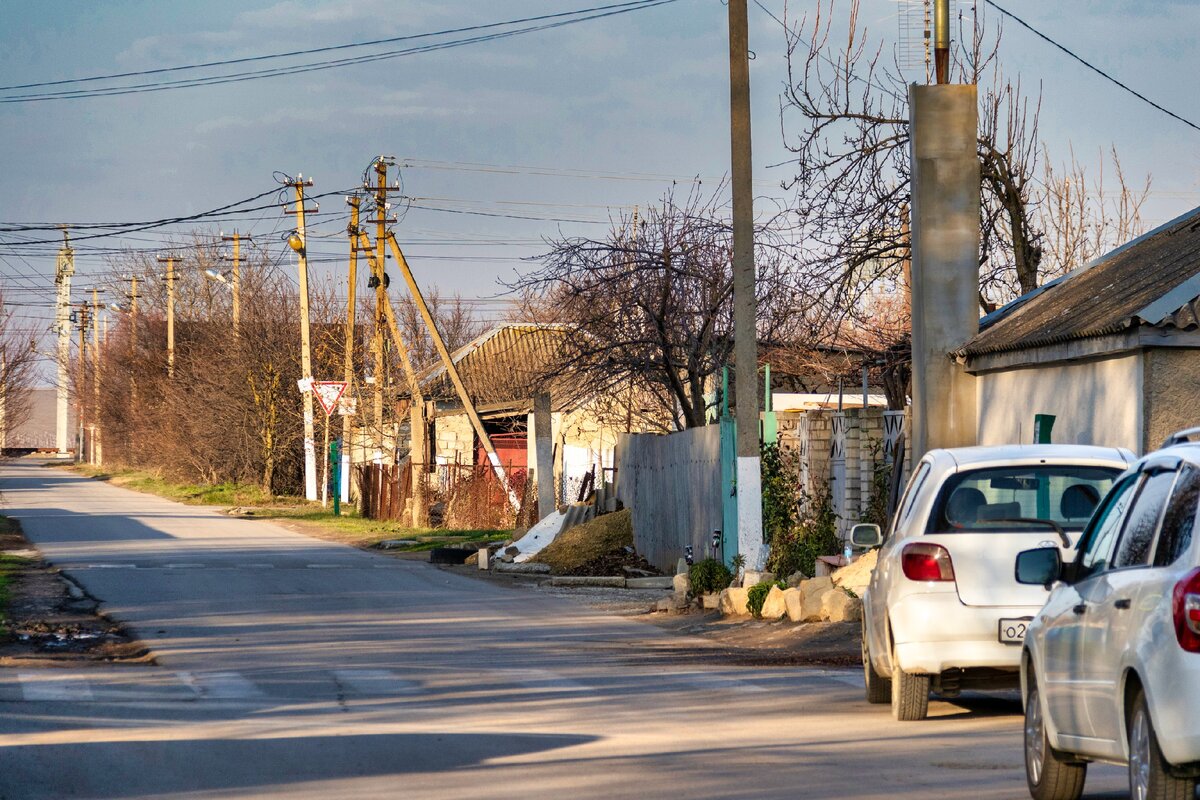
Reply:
x=335 y=475
x=1042 y=425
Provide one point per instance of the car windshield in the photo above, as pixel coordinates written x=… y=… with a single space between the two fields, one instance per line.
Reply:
x=991 y=499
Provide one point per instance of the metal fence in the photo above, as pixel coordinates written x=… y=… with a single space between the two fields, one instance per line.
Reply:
x=673 y=486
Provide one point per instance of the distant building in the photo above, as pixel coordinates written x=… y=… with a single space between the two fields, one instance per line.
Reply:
x=1112 y=349
x=37 y=430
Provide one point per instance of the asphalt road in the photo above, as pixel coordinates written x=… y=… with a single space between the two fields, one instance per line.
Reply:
x=291 y=667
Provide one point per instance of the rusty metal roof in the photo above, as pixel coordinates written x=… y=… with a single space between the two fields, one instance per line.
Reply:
x=507 y=364
x=1152 y=280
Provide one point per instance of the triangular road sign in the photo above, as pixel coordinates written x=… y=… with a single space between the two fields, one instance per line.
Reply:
x=327 y=393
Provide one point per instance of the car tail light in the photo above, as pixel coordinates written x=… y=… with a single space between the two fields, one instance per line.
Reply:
x=1185 y=602
x=927 y=562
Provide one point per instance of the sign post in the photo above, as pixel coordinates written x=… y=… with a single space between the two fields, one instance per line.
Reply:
x=328 y=393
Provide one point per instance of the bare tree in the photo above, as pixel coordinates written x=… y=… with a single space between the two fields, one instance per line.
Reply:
x=647 y=310
x=18 y=371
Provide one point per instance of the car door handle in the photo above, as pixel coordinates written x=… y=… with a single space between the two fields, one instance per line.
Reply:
x=1079 y=609
x=1123 y=603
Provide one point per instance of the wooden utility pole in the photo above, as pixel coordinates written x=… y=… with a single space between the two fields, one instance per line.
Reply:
x=79 y=384
x=348 y=358
x=298 y=243
x=745 y=308
x=418 y=418
x=97 y=440
x=235 y=278
x=381 y=299
x=452 y=370
x=170 y=262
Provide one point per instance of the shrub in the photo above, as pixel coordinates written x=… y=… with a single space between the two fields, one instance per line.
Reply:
x=781 y=492
x=798 y=548
x=709 y=576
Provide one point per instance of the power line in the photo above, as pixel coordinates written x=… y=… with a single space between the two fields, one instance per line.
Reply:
x=238 y=77
x=1091 y=66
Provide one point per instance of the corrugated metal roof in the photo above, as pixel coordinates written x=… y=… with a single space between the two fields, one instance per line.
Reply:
x=508 y=363
x=1152 y=280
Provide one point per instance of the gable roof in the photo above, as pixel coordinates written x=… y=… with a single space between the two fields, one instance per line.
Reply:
x=508 y=363
x=1152 y=280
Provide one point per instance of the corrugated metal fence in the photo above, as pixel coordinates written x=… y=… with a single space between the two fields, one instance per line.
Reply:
x=673 y=485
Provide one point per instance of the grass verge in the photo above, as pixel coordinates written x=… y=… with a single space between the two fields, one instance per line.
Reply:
x=296 y=512
x=8 y=566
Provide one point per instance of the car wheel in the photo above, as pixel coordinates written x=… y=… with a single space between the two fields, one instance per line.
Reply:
x=879 y=688
x=1148 y=776
x=910 y=694
x=1050 y=777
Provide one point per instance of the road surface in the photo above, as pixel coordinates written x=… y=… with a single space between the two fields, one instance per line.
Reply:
x=291 y=667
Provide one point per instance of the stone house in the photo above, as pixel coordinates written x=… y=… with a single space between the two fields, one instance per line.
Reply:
x=1112 y=349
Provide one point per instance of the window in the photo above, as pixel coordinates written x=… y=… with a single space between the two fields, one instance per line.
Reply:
x=1017 y=496
x=1096 y=545
x=910 y=494
x=1134 y=547
x=1180 y=518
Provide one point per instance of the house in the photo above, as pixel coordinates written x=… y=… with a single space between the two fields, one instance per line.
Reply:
x=1112 y=349
x=505 y=371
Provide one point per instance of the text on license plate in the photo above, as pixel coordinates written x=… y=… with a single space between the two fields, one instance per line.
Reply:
x=1013 y=630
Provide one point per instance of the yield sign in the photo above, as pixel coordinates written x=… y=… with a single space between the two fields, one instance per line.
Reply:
x=327 y=393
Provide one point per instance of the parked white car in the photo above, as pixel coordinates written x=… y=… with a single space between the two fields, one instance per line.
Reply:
x=944 y=611
x=1111 y=666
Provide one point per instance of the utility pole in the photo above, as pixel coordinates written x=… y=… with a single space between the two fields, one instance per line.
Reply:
x=381 y=220
x=452 y=371
x=745 y=310
x=170 y=262
x=348 y=357
x=64 y=269
x=941 y=40
x=97 y=439
x=235 y=278
x=297 y=242
x=79 y=394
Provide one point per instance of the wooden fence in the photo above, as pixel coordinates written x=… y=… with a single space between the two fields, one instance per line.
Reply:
x=673 y=486
x=460 y=495
x=384 y=490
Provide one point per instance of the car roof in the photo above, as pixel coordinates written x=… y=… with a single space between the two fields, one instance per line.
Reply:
x=1033 y=453
x=1187 y=451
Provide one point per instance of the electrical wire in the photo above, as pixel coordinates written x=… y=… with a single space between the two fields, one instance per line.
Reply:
x=238 y=77
x=1090 y=66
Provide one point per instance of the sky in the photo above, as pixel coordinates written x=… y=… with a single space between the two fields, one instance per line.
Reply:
x=544 y=134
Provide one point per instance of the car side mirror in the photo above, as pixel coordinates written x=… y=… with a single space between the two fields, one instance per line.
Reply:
x=1041 y=566
x=865 y=535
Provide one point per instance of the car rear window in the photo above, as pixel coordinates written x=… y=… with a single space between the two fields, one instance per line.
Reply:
x=995 y=498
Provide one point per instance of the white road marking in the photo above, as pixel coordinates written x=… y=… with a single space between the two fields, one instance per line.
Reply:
x=41 y=688
x=106 y=566
x=220 y=685
x=375 y=681
x=256 y=566
x=707 y=681
x=185 y=565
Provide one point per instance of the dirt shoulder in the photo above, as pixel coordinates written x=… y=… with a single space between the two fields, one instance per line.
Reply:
x=49 y=619
x=725 y=640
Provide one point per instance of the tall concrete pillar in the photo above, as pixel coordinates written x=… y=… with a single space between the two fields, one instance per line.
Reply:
x=945 y=262
x=543 y=442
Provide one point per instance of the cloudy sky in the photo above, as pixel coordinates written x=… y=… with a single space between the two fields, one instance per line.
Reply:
x=552 y=131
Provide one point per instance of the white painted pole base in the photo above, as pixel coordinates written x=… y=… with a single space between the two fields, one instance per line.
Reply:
x=749 y=512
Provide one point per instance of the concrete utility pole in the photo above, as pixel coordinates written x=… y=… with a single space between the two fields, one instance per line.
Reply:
x=945 y=263
x=235 y=278
x=348 y=358
x=170 y=262
x=745 y=309
x=298 y=243
x=64 y=269
x=97 y=439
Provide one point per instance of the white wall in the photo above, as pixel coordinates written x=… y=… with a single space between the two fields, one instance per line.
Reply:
x=1096 y=402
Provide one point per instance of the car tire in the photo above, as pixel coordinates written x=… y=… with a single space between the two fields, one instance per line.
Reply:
x=1048 y=774
x=910 y=694
x=879 y=688
x=1148 y=775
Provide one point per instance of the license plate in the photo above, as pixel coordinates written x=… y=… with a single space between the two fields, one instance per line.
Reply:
x=1012 y=631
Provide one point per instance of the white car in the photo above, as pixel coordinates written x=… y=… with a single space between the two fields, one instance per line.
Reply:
x=1111 y=666
x=943 y=611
